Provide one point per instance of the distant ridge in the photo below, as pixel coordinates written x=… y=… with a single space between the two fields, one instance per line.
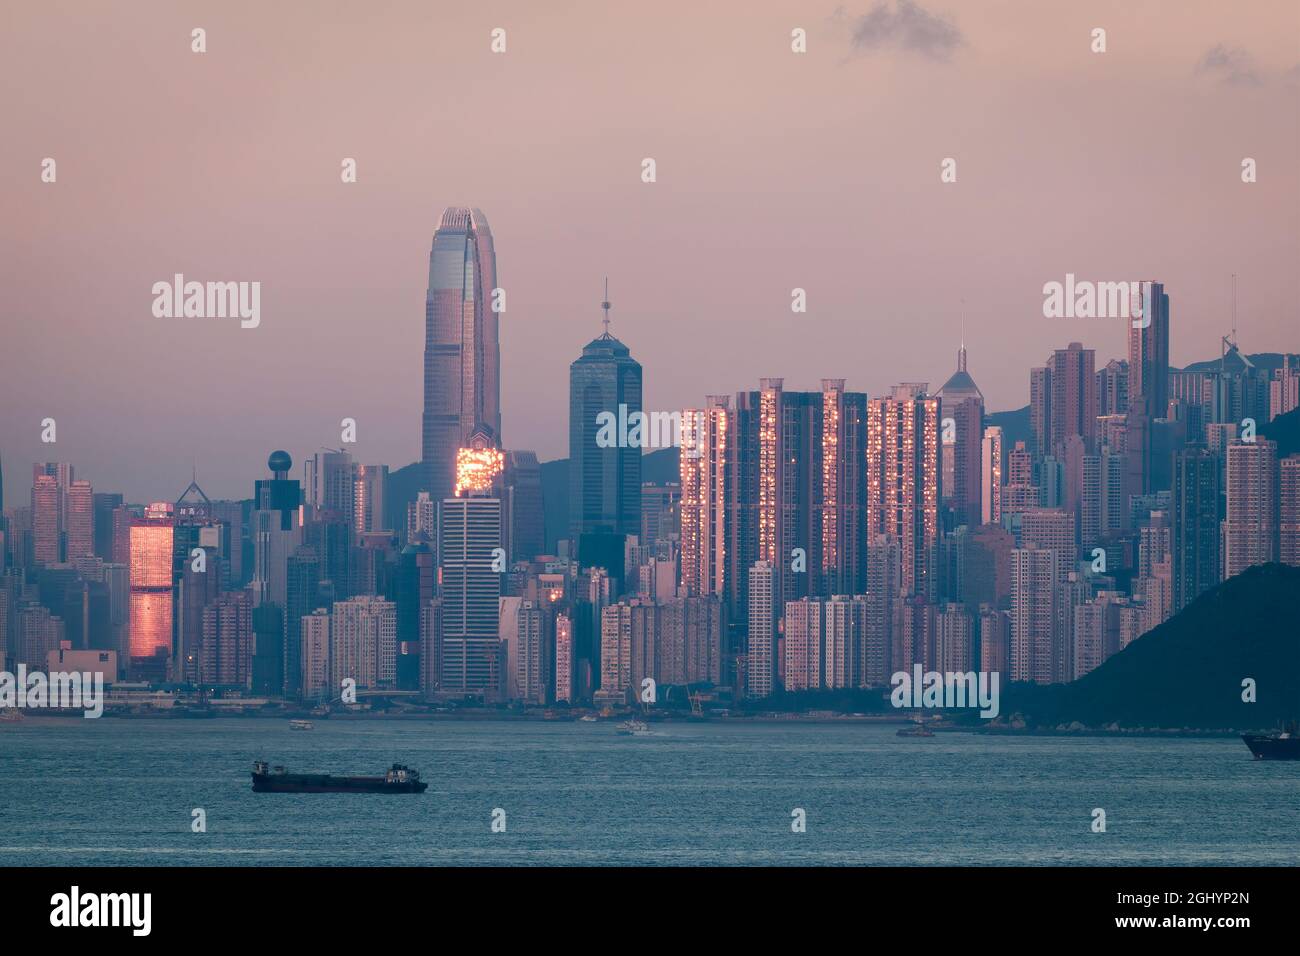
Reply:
x=1188 y=672
x=1270 y=361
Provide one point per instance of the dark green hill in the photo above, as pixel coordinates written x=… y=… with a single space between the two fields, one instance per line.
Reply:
x=1285 y=430
x=1188 y=672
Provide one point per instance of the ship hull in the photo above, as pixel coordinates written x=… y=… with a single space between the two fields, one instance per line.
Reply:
x=324 y=783
x=1273 y=748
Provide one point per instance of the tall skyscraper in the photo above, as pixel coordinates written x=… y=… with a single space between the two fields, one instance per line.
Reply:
x=226 y=653
x=80 y=520
x=991 y=476
x=563 y=658
x=1195 y=528
x=469 y=532
x=1074 y=396
x=843 y=520
x=46 y=525
x=703 y=469
x=462 y=355
x=523 y=507
x=604 y=464
x=336 y=473
x=790 y=489
x=761 y=651
x=903 y=480
x=962 y=403
x=302 y=594
x=1289 y=510
x=1148 y=381
x=1250 y=528
x=1040 y=408
x=1034 y=578
x=1112 y=388
x=371 y=486
x=314 y=655
x=276 y=529
x=151 y=592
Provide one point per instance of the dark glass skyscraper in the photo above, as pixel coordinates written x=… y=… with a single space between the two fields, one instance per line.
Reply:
x=1195 y=505
x=1148 y=383
x=462 y=355
x=604 y=482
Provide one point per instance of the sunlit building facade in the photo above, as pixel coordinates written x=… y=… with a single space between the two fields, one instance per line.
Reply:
x=903 y=480
x=703 y=467
x=151 y=592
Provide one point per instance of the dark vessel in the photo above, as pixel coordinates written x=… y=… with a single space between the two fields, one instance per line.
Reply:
x=398 y=779
x=1280 y=745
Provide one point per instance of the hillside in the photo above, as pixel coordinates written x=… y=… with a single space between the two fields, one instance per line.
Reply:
x=1188 y=672
x=1285 y=430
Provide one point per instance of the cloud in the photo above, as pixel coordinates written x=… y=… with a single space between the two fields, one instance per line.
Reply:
x=1232 y=65
x=905 y=27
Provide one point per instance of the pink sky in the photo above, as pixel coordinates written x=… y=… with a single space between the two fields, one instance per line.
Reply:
x=775 y=170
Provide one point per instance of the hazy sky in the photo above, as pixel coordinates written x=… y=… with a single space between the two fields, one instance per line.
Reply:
x=775 y=170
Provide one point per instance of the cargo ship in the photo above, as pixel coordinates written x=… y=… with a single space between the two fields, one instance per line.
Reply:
x=1280 y=745
x=397 y=779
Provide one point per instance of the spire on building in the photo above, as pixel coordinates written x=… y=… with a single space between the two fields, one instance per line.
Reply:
x=605 y=306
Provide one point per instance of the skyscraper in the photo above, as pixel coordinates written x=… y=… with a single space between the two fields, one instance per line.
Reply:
x=371 y=485
x=703 y=468
x=469 y=532
x=790 y=489
x=843 y=519
x=151 y=592
x=462 y=355
x=991 y=476
x=1250 y=529
x=604 y=476
x=1289 y=510
x=523 y=506
x=1034 y=577
x=903 y=480
x=363 y=643
x=80 y=520
x=1195 y=529
x=1148 y=381
x=962 y=403
x=46 y=497
x=1073 y=396
x=761 y=652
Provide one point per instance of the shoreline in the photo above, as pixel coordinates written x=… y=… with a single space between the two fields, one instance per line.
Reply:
x=761 y=719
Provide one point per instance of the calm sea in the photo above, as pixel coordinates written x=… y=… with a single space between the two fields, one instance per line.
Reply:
x=120 y=792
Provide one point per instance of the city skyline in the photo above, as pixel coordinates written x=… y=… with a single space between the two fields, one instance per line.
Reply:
x=884 y=250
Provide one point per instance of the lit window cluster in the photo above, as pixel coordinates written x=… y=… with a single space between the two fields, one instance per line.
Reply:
x=477 y=468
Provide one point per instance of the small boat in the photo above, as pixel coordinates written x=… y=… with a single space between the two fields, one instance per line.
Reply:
x=588 y=718
x=10 y=715
x=397 y=779
x=635 y=728
x=1279 y=745
x=301 y=725
x=916 y=730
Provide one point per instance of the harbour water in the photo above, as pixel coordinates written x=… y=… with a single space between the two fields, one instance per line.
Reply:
x=123 y=792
